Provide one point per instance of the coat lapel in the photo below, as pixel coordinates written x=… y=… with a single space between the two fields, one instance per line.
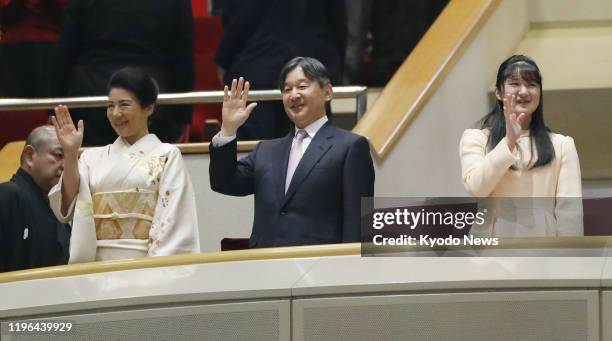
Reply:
x=321 y=143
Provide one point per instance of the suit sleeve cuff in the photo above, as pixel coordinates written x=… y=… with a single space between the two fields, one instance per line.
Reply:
x=218 y=140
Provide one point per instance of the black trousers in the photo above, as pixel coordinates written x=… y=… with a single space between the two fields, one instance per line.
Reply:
x=24 y=69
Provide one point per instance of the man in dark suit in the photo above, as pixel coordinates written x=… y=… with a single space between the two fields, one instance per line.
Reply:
x=308 y=185
x=260 y=36
x=30 y=235
x=100 y=37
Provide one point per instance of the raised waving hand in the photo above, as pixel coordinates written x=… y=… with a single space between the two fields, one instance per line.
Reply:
x=70 y=139
x=69 y=136
x=235 y=109
x=514 y=120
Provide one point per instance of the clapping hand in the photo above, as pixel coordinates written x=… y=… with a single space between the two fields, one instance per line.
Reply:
x=235 y=111
x=514 y=120
x=69 y=136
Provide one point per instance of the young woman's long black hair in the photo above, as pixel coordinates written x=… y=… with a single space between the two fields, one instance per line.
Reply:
x=496 y=123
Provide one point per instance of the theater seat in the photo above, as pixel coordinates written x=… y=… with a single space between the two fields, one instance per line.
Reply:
x=230 y=244
x=207 y=35
x=597 y=216
x=10 y=155
x=16 y=125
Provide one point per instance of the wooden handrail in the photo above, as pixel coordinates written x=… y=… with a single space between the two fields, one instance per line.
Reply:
x=184 y=259
x=601 y=242
x=202 y=148
x=11 y=153
x=422 y=72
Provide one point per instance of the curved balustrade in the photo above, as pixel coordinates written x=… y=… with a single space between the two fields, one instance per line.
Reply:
x=534 y=243
x=263 y=295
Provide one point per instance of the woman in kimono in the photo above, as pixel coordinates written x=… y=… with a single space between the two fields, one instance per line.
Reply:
x=130 y=199
x=533 y=173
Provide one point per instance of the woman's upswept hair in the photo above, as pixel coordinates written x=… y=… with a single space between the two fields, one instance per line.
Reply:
x=139 y=83
x=496 y=123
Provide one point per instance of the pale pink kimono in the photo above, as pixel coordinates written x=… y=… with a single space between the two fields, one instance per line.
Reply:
x=133 y=201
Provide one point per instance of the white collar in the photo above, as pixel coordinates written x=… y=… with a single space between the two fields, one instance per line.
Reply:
x=314 y=127
x=123 y=143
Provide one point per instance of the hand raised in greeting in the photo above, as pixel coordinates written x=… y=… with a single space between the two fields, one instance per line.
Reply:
x=69 y=136
x=235 y=110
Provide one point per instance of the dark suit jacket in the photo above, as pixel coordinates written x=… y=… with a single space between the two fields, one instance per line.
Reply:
x=99 y=37
x=260 y=36
x=323 y=202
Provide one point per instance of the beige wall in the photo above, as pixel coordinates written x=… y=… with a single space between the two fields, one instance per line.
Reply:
x=219 y=216
x=576 y=63
x=571 y=58
x=569 y=10
x=586 y=115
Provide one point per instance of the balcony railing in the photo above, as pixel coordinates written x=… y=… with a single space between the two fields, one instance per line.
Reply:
x=13 y=104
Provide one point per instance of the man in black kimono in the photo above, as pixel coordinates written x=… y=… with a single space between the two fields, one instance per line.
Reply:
x=30 y=235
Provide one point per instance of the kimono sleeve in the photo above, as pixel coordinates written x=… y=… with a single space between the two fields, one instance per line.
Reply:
x=55 y=201
x=175 y=224
x=83 y=241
